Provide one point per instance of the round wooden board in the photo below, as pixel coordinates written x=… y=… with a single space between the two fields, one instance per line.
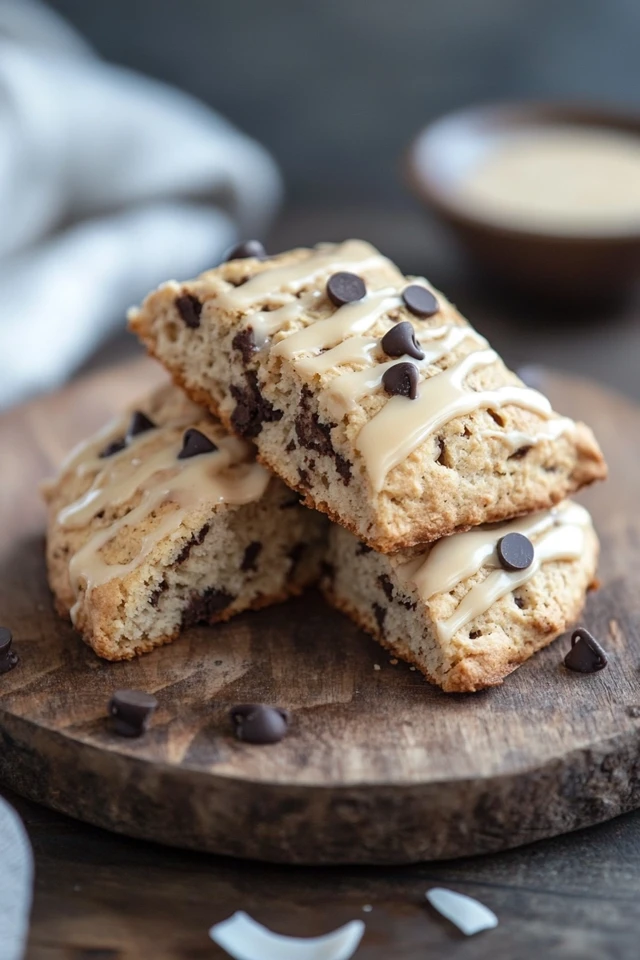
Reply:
x=379 y=767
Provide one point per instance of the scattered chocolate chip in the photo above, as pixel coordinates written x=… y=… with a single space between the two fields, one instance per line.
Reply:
x=140 y=423
x=401 y=380
x=251 y=410
x=131 y=711
x=8 y=657
x=420 y=301
x=244 y=343
x=114 y=447
x=515 y=551
x=345 y=288
x=519 y=453
x=401 y=340
x=194 y=443
x=586 y=655
x=251 y=554
x=157 y=593
x=206 y=607
x=258 y=723
x=189 y=308
x=290 y=447
x=246 y=250
x=304 y=477
x=519 y=602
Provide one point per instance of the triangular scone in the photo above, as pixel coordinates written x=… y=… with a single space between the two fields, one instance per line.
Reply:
x=264 y=346
x=162 y=521
x=453 y=610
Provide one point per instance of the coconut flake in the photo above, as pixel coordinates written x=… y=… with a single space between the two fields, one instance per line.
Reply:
x=16 y=881
x=469 y=915
x=244 y=939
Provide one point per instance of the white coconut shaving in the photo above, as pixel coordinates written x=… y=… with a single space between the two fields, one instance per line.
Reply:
x=16 y=884
x=467 y=914
x=244 y=939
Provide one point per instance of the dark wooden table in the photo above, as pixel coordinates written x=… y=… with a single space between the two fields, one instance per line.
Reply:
x=104 y=897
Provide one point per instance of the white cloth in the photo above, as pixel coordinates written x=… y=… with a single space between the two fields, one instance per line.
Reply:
x=110 y=183
x=16 y=883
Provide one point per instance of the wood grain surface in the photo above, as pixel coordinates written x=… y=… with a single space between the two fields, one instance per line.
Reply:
x=379 y=766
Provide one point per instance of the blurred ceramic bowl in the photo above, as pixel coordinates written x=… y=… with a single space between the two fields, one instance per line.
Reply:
x=550 y=262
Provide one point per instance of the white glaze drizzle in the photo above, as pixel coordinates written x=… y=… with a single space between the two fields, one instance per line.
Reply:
x=402 y=424
x=557 y=534
x=225 y=475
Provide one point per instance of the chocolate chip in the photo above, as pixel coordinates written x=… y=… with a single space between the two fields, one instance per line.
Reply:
x=140 y=423
x=586 y=654
x=189 y=308
x=8 y=658
x=194 y=541
x=206 y=607
x=315 y=435
x=380 y=614
x=131 y=711
x=363 y=548
x=114 y=447
x=244 y=343
x=251 y=410
x=345 y=288
x=387 y=586
x=245 y=250
x=401 y=340
x=515 y=551
x=401 y=380
x=251 y=554
x=420 y=301
x=257 y=723
x=194 y=443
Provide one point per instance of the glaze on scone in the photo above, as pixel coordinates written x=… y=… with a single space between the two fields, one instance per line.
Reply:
x=143 y=541
x=453 y=611
x=264 y=347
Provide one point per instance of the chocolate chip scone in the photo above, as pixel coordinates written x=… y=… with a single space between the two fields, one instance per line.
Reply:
x=469 y=609
x=367 y=392
x=163 y=521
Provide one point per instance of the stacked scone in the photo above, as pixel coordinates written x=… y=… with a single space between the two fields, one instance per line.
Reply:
x=371 y=396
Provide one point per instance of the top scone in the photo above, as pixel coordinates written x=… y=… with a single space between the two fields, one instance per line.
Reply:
x=366 y=391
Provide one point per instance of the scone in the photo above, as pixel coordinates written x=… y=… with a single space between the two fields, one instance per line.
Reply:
x=367 y=392
x=162 y=521
x=454 y=609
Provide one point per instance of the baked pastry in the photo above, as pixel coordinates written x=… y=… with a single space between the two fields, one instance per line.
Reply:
x=469 y=609
x=162 y=521
x=367 y=392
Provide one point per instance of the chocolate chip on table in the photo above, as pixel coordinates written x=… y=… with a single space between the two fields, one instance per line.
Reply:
x=140 y=423
x=8 y=657
x=401 y=341
x=586 y=654
x=251 y=555
x=194 y=443
x=114 y=447
x=189 y=308
x=258 y=723
x=131 y=711
x=245 y=250
x=420 y=301
x=345 y=288
x=401 y=380
x=515 y=551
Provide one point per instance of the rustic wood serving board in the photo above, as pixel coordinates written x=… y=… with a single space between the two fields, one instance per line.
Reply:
x=379 y=766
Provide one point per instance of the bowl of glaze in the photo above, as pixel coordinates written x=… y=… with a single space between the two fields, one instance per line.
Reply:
x=544 y=197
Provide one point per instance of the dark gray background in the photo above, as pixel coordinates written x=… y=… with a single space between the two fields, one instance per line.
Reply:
x=336 y=89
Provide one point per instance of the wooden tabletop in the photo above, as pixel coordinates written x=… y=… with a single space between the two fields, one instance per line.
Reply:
x=99 y=896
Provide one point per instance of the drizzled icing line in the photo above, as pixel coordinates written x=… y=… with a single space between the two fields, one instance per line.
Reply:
x=224 y=475
x=558 y=534
x=402 y=424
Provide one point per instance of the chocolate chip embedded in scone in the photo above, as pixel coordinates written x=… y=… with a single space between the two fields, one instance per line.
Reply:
x=417 y=425
x=178 y=526
x=457 y=613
